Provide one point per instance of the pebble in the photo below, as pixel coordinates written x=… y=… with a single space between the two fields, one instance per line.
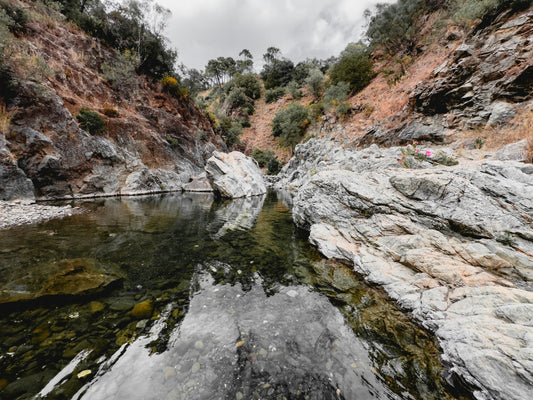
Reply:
x=199 y=345
x=19 y=213
x=84 y=373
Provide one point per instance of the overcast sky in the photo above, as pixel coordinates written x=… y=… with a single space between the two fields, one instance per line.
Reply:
x=204 y=29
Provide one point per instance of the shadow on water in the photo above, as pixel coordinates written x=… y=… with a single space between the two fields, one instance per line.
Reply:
x=185 y=297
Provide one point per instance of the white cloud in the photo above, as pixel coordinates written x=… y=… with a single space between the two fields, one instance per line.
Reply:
x=204 y=29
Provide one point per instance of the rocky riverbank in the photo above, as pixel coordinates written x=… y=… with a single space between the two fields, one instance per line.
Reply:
x=451 y=244
x=23 y=213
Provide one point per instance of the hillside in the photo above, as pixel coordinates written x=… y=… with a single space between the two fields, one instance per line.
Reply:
x=154 y=140
x=466 y=84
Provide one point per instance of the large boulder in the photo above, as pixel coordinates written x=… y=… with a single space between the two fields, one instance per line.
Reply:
x=235 y=175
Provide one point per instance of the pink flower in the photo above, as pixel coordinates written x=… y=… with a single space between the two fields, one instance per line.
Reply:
x=428 y=153
x=415 y=143
x=409 y=146
x=417 y=151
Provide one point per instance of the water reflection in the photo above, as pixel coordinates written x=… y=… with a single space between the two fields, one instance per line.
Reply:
x=215 y=300
x=237 y=344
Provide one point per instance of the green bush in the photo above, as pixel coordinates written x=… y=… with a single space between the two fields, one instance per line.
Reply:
x=245 y=122
x=353 y=67
x=236 y=98
x=294 y=89
x=336 y=94
x=465 y=12
x=91 y=121
x=249 y=84
x=273 y=95
x=273 y=166
x=262 y=156
x=290 y=124
x=111 y=112
x=315 y=82
x=15 y=18
x=231 y=137
x=316 y=111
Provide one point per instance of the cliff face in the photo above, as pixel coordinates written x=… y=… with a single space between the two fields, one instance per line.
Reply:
x=154 y=141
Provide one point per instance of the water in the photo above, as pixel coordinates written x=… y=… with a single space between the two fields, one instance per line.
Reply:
x=184 y=297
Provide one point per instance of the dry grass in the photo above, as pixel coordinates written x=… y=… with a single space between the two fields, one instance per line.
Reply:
x=5 y=118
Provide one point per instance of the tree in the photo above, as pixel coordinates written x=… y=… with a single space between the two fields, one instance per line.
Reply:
x=315 y=82
x=290 y=124
x=271 y=55
x=354 y=67
x=245 y=65
x=277 y=73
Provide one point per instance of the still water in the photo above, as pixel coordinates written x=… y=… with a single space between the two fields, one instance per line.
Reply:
x=185 y=297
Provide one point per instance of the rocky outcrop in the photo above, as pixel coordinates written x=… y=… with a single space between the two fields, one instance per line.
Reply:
x=489 y=72
x=235 y=175
x=454 y=245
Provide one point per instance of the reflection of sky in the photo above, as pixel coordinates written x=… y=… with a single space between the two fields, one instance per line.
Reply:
x=232 y=341
x=204 y=29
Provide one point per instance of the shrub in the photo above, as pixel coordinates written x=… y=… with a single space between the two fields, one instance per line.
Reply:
x=353 y=67
x=172 y=141
x=245 y=122
x=465 y=12
x=478 y=143
x=273 y=166
x=290 y=124
x=111 y=112
x=91 y=121
x=444 y=159
x=169 y=82
x=231 y=137
x=294 y=89
x=273 y=95
x=262 y=156
x=343 y=109
x=249 y=84
x=236 y=98
x=120 y=73
x=15 y=18
x=315 y=82
x=316 y=111
x=336 y=94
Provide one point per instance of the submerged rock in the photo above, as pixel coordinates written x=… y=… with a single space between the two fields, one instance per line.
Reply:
x=235 y=175
x=72 y=277
x=452 y=244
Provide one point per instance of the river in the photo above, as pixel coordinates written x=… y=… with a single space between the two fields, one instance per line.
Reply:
x=187 y=297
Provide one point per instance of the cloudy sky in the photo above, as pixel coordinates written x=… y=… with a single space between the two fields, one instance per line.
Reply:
x=204 y=29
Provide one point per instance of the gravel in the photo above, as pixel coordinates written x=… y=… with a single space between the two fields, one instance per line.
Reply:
x=20 y=213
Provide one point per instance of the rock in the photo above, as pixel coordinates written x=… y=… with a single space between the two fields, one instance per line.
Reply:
x=198 y=183
x=14 y=184
x=96 y=306
x=143 y=310
x=72 y=277
x=451 y=244
x=513 y=152
x=235 y=175
x=501 y=112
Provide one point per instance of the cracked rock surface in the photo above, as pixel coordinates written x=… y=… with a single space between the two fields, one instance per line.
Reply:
x=454 y=245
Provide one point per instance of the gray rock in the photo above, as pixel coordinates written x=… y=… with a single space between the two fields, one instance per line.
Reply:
x=235 y=175
x=198 y=183
x=501 y=112
x=513 y=152
x=452 y=244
